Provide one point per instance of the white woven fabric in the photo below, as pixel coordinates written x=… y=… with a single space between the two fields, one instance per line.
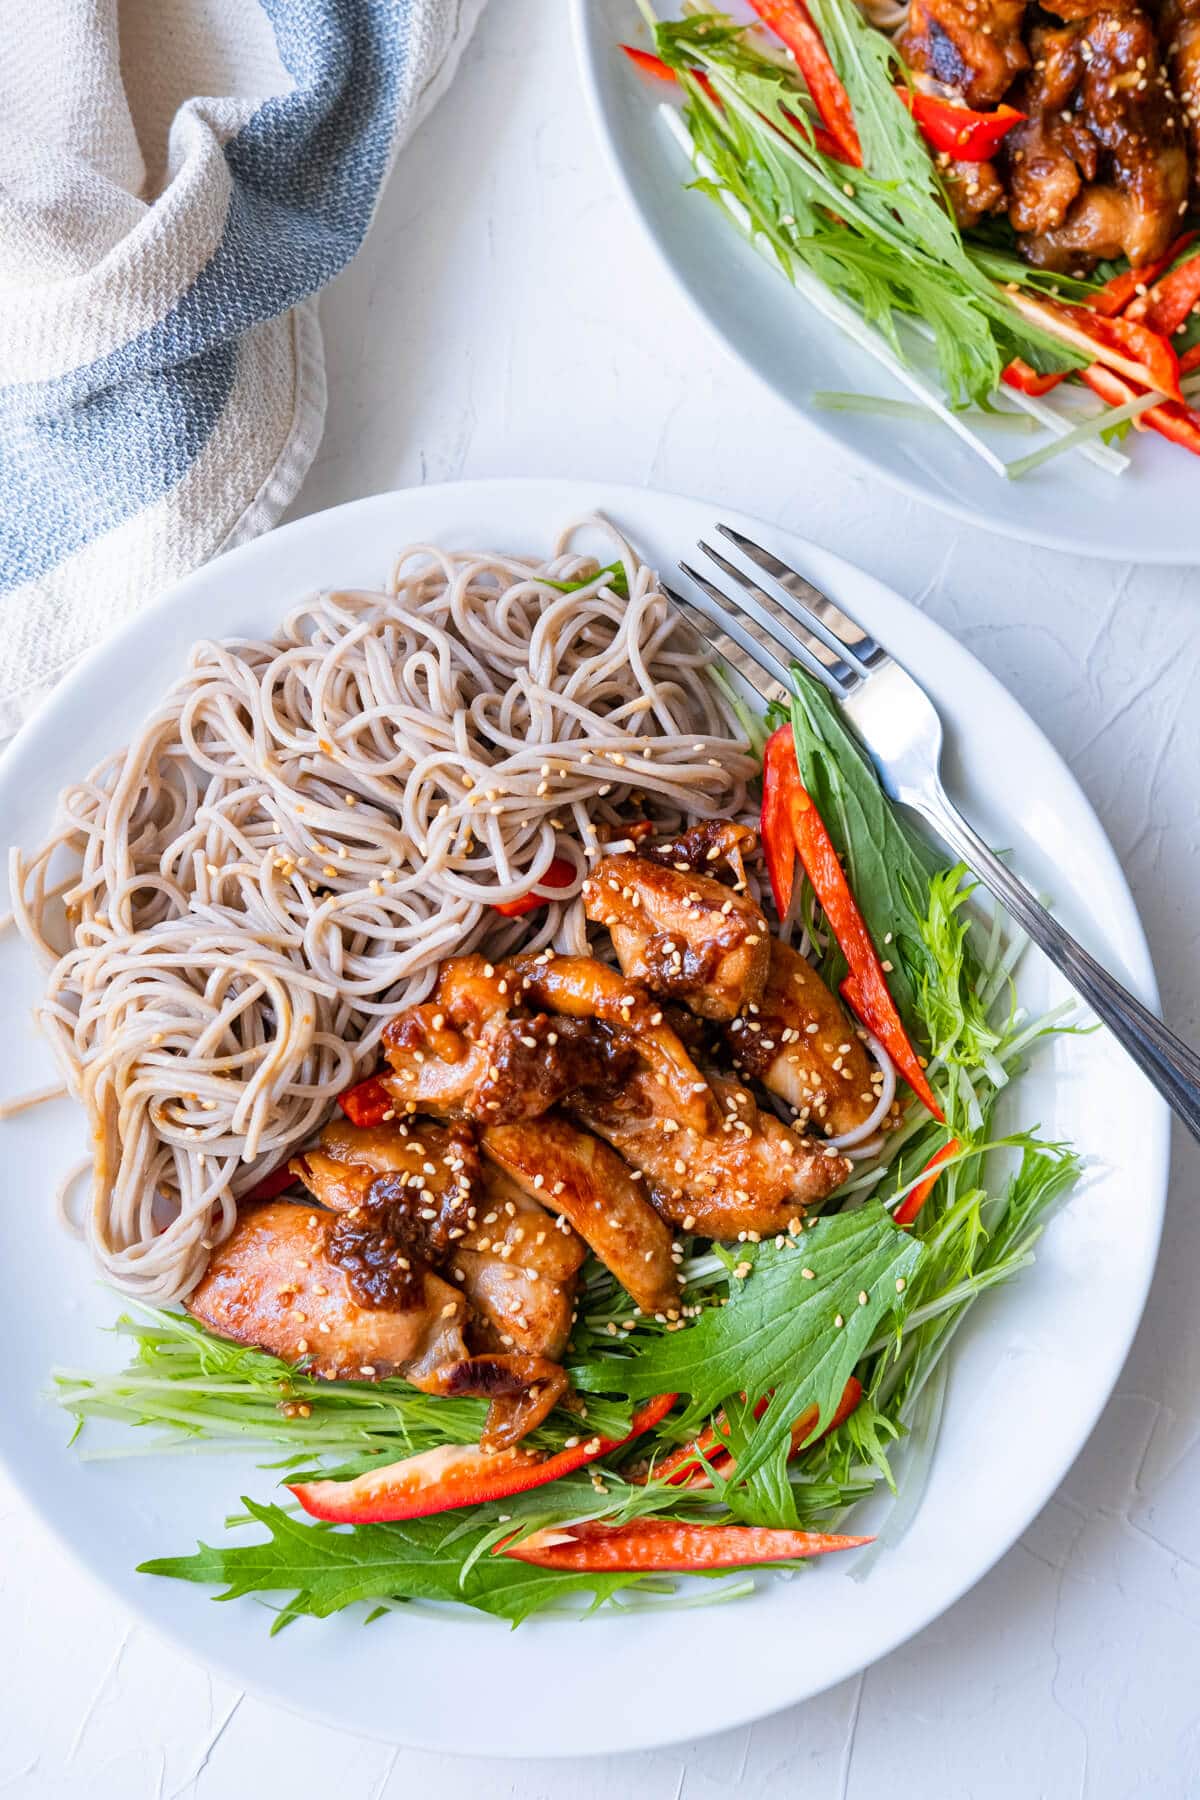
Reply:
x=177 y=179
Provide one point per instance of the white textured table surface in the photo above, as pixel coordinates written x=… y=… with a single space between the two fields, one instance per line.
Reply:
x=506 y=318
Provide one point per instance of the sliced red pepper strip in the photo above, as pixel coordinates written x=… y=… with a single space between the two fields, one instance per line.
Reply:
x=912 y=1203
x=272 y=1185
x=459 y=1475
x=959 y=131
x=1178 y=423
x=560 y=874
x=793 y=24
x=1121 y=295
x=653 y=65
x=1190 y=360
x=789 y=814
x=1169 y=301
x=1026 y=380
x=780 y=778
x=684 y=1469
x=1132 y=349
x=367 y=1103
x=666 y=1545
x=895 y=1041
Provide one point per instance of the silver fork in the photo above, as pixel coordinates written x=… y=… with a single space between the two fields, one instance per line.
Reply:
x=763 y=626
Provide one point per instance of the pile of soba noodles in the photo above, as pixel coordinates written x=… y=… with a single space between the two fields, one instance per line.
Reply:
x=232 y=907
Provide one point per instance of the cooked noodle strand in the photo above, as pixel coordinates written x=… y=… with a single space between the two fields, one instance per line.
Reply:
x=231 y=908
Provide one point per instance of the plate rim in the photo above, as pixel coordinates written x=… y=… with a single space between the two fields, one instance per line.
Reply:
x=611 y=497
x=1061 y=543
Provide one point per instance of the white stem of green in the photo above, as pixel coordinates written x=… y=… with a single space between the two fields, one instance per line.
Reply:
x=830 y=305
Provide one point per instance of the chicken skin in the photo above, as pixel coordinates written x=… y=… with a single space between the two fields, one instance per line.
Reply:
x=515 y=1264
x=1098 y=169
x=685 y=935
x=746 y=1173
x=798 y=1042
x=1179 y=31
x=272 y=1284
x=972 y=48
x=573 y=1172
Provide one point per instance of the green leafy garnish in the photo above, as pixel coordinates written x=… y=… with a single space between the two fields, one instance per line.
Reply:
x=325 y=1569
x=796 y=1323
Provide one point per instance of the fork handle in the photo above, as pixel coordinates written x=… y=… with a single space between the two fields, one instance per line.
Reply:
x=1164 y=1059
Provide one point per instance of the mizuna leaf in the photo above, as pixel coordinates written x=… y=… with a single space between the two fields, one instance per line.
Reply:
x=324 y=1570
x=796 y=1325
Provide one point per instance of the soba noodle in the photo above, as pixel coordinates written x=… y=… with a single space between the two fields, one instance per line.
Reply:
x=231 y=907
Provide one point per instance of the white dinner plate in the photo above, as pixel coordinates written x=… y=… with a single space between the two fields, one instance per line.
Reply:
x=1144 y=514
x=1031 y=1371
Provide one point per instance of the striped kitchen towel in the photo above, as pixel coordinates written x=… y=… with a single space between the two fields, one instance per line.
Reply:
x=177 y=179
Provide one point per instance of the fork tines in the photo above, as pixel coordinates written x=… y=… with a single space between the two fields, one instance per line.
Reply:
x=781 y=621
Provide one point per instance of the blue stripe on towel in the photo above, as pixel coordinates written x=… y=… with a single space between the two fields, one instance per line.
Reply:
x=85 y=451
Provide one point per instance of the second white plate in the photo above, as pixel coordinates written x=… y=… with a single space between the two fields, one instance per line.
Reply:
x=1144 y=515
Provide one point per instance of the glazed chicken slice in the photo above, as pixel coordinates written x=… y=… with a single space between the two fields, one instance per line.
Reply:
x=579 y=987
x=1179 y=32
x=747 y=1172
x=684 y=934
x=513 y=1261
x=474 y=1052
x=276 y=1283
x=486 y=1048
x=971 y=48
x=573 y=1172
x=1099 y=169
x=798 y=1042
x=522 y=1391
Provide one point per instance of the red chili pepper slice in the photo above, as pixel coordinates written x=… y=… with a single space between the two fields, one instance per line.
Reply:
x=683 y=1467
x=1121 y=294
x=560 y=874
x=435 y=1481
x=666 y=1545
x=1026 y=380
x=368 y=1103
x=1170 y=419
x=272 y=1185
x=1122 y=343
x=1169 y=301
x=781 y=778
x=791 y=825
x=893 y=1037
x=1190 y=360
x=959 y=131
x=653 y=65
x=912 y=1203
x=793 y=24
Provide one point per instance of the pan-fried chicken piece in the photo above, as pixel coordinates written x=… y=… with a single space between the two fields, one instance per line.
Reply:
x=968 y=47
x=747 y=1173
x=474 y=1052
x=579 y=987
x=703 y=847
x=1179 y=32
x=685 y=935
x=974 y=189
x=798 y=1042
x=273 y=1284
x=515 y=1264
x=523 y=1390
x=575 y=1173
x=1099 y=169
